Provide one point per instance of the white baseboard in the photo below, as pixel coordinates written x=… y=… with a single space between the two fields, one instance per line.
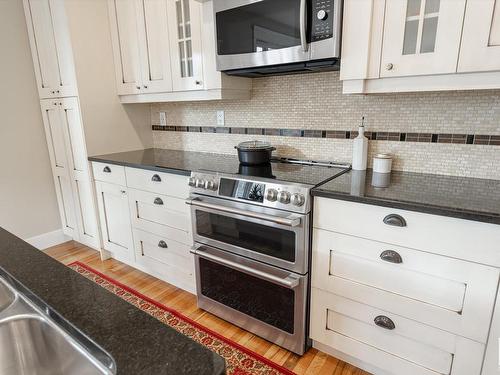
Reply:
x=46 y=240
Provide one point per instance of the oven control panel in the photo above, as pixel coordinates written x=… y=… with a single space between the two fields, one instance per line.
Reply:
x=322 y=19
x=290 y=197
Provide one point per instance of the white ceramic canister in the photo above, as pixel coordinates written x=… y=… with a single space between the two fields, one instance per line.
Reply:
x=382 y=163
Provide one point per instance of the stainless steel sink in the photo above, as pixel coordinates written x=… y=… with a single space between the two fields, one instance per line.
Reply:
x=30 y=345
x=6 y=296
x=35 y=340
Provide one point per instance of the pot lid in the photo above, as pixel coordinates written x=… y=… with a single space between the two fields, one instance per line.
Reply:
x=254 y=146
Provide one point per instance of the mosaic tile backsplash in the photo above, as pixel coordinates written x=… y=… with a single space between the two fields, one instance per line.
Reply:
x=307 y=116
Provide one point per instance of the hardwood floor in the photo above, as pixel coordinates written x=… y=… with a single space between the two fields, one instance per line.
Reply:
x=312 y=362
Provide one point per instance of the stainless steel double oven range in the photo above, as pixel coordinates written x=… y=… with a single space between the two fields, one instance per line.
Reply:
x=252 y=249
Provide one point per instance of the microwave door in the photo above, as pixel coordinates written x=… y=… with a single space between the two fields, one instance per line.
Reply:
x=258 y=33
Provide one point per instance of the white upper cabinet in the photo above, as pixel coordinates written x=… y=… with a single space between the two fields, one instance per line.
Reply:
x=185 y=44
x=139 y=30
x=481 y=37
x=154 y=52
x=124 y=33
x=164 y=50
x=420 y=45
x=421 y=37
x=50 y=48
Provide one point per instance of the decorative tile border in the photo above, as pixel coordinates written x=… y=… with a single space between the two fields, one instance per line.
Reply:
x=477 y=139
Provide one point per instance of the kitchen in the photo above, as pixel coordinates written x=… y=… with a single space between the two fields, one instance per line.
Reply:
x=250 y=187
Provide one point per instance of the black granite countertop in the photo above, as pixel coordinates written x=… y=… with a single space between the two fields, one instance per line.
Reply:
x=172 y=161
x=139 y=343
x=184 y=162
x=460 y=197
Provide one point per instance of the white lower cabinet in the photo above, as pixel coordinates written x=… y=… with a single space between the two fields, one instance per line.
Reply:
x=165 y=258
x=396 y=309
x=114 y=214
x=398 y=346
x=145 y=222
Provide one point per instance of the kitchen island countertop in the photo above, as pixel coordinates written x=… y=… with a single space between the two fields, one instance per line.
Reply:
x=138 y=343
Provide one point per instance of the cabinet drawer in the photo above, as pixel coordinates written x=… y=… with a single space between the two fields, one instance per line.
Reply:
x=160 y=214
x=157 y=182
x=402 y=346
x=463 y=239
x=446 y=293
x=170 y=260
x=114 y=174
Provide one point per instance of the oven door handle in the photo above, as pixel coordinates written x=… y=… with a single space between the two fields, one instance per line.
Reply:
x=303 y=25
x=290 y=221
x=289 y=282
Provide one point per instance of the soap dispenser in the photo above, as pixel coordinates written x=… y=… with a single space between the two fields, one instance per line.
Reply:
x=360 y=149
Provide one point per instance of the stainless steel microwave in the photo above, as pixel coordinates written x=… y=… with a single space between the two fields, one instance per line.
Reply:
x=265 y=37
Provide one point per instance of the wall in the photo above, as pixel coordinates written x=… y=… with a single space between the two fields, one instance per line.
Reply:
x=28 y=205
x=435 y=126
x=109 y=125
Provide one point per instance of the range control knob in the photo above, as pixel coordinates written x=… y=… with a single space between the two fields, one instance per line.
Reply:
x=322 y=15
x=297 y=199
x=200 y=183
x=211 y=185
x=272 y=195
x=284 y=197
x=192 y=181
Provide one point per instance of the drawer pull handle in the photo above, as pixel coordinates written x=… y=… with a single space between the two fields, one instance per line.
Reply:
x=395 y=220
x=107 y=169
x=158 y=201
x=391 y=256
x=163 y=244
x=384 y=322
x=156 y=178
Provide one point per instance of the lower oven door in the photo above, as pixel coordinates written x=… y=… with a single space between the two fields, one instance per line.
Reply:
x=272 y=236
x=262 y=299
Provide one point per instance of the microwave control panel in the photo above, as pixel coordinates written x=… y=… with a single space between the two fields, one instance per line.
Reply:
x=322 y=19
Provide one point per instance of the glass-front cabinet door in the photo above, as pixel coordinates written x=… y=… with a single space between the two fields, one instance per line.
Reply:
x=421 y=37
x=185 y=44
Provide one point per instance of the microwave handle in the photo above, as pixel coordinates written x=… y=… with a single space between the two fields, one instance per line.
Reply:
x=303 y=25
x=289 y=282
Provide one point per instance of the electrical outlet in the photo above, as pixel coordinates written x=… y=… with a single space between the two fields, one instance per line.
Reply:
x=163 y=119
x=220 y=118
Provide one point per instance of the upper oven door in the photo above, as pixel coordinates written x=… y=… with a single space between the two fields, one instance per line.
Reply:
x=271 y=236
x=254 y=33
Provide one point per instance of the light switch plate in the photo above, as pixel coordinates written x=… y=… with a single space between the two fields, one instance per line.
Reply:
x=163 y=119
x=220 y=118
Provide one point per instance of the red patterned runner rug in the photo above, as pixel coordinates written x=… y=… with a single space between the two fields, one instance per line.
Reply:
x=239 y=360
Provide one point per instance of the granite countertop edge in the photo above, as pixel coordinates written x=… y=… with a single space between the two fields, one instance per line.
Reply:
x=181 y=172
x=411 y=206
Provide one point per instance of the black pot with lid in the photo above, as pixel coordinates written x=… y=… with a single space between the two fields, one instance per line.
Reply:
x=254 y=152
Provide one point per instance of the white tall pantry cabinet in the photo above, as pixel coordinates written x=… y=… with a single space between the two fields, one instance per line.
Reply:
x=56 y=81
